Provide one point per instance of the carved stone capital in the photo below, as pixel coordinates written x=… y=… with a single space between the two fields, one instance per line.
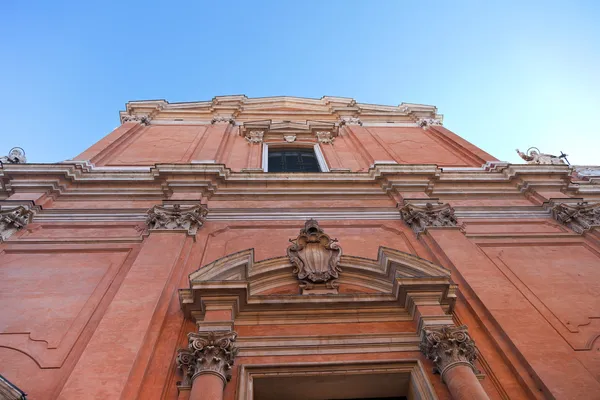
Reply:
x=350 y=121
x=420 y=218
x=325 y=137
x=315 y=257
x=448 y=346
x=223 y=120
x=207 y=353
x=13 y=220
x=142 y=119
x=580 y=217
x=175 y=217
x=424 y=122
x=255 y=136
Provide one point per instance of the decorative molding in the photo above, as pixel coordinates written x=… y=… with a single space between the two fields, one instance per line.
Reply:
x=325 y=137
x=425 y=122
x=223 y=120
x=420 y=218
x=16 y=155
x=9 y=391
x=350 y=121
x=580 y=217
x=255 y=136
x=171 y=218
x=448 y=346
x=207 y=353
x=289 y=138
x=316 y=257
x=142 y=119
x=13 y=220
x=588 y=173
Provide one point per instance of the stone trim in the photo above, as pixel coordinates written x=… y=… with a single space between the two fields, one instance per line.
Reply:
x=580 y=217
x=174 y=218
x=13 y=220
x=448 y=346
x=8 y=391
x=420 y=387
x=207 y=353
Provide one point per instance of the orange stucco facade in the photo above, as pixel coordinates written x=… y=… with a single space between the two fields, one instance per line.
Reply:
x=97 y=297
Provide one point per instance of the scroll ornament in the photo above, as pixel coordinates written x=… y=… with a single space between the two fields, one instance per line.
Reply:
x=315 y=256
x=448 y=346
x=210 y=353
x=169 y=218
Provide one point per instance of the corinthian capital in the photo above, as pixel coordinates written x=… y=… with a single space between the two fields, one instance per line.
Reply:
x=170 y=218
x=447 y=347
x=422 y=217
x=13 y=220
x=209 y=353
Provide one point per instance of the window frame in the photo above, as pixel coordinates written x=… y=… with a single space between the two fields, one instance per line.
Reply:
x=295 y=145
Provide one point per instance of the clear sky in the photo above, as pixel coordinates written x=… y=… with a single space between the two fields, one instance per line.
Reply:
x=505 y=74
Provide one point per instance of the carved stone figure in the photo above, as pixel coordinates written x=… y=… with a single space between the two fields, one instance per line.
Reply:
x=535 y=157
x=420 y=218
x=580 y=218
x=315 y=256
x=448 y=346
x=142 y=119
x=255 y=136
x=325 y=137
x=16 y=155
x=13 y=220
x=207 y=353
x=424 y=122
x=168 y=218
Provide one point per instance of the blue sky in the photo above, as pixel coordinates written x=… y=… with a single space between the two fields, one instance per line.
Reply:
x=504 y=74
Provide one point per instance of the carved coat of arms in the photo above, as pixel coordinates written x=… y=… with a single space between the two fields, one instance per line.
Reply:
x=315 y=255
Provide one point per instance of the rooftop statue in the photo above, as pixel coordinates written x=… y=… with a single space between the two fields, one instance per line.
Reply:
x=534 y=156
x=16 y=155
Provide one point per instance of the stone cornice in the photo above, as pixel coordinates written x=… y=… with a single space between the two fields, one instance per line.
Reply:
x=242 y=108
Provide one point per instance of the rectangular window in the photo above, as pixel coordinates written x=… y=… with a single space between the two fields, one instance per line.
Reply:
x=293 y=160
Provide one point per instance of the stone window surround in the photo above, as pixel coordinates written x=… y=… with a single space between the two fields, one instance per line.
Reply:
x=419 y=386
x=295 y=145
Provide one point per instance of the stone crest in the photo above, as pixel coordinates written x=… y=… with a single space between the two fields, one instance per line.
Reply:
x=13 y=220
x=289 y=138
x=210 y=353
x=420 y=218
x=448 y=346
x=580 y=217
x=175 y=217
x=315 y=257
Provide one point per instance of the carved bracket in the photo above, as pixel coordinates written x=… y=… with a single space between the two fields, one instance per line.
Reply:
x=207 y=353
x=223 y=120
x=580 y=218
x=420 y=218
x=13 y=220
x=163 y=218
x=142 y=119
x=350 y=121
x=315 y=257
x=448 y=346
x=424 y=122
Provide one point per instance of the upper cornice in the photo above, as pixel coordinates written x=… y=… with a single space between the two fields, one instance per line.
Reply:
x=284 y=108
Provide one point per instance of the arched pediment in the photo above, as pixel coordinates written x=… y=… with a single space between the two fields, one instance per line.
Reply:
x=394 y=277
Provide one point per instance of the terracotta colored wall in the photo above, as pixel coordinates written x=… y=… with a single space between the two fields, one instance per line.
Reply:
x=356 y=147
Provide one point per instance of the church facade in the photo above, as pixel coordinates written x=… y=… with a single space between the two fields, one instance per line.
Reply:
x=292 y=248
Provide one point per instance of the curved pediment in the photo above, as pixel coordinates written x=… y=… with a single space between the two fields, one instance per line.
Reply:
x=392 y=277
